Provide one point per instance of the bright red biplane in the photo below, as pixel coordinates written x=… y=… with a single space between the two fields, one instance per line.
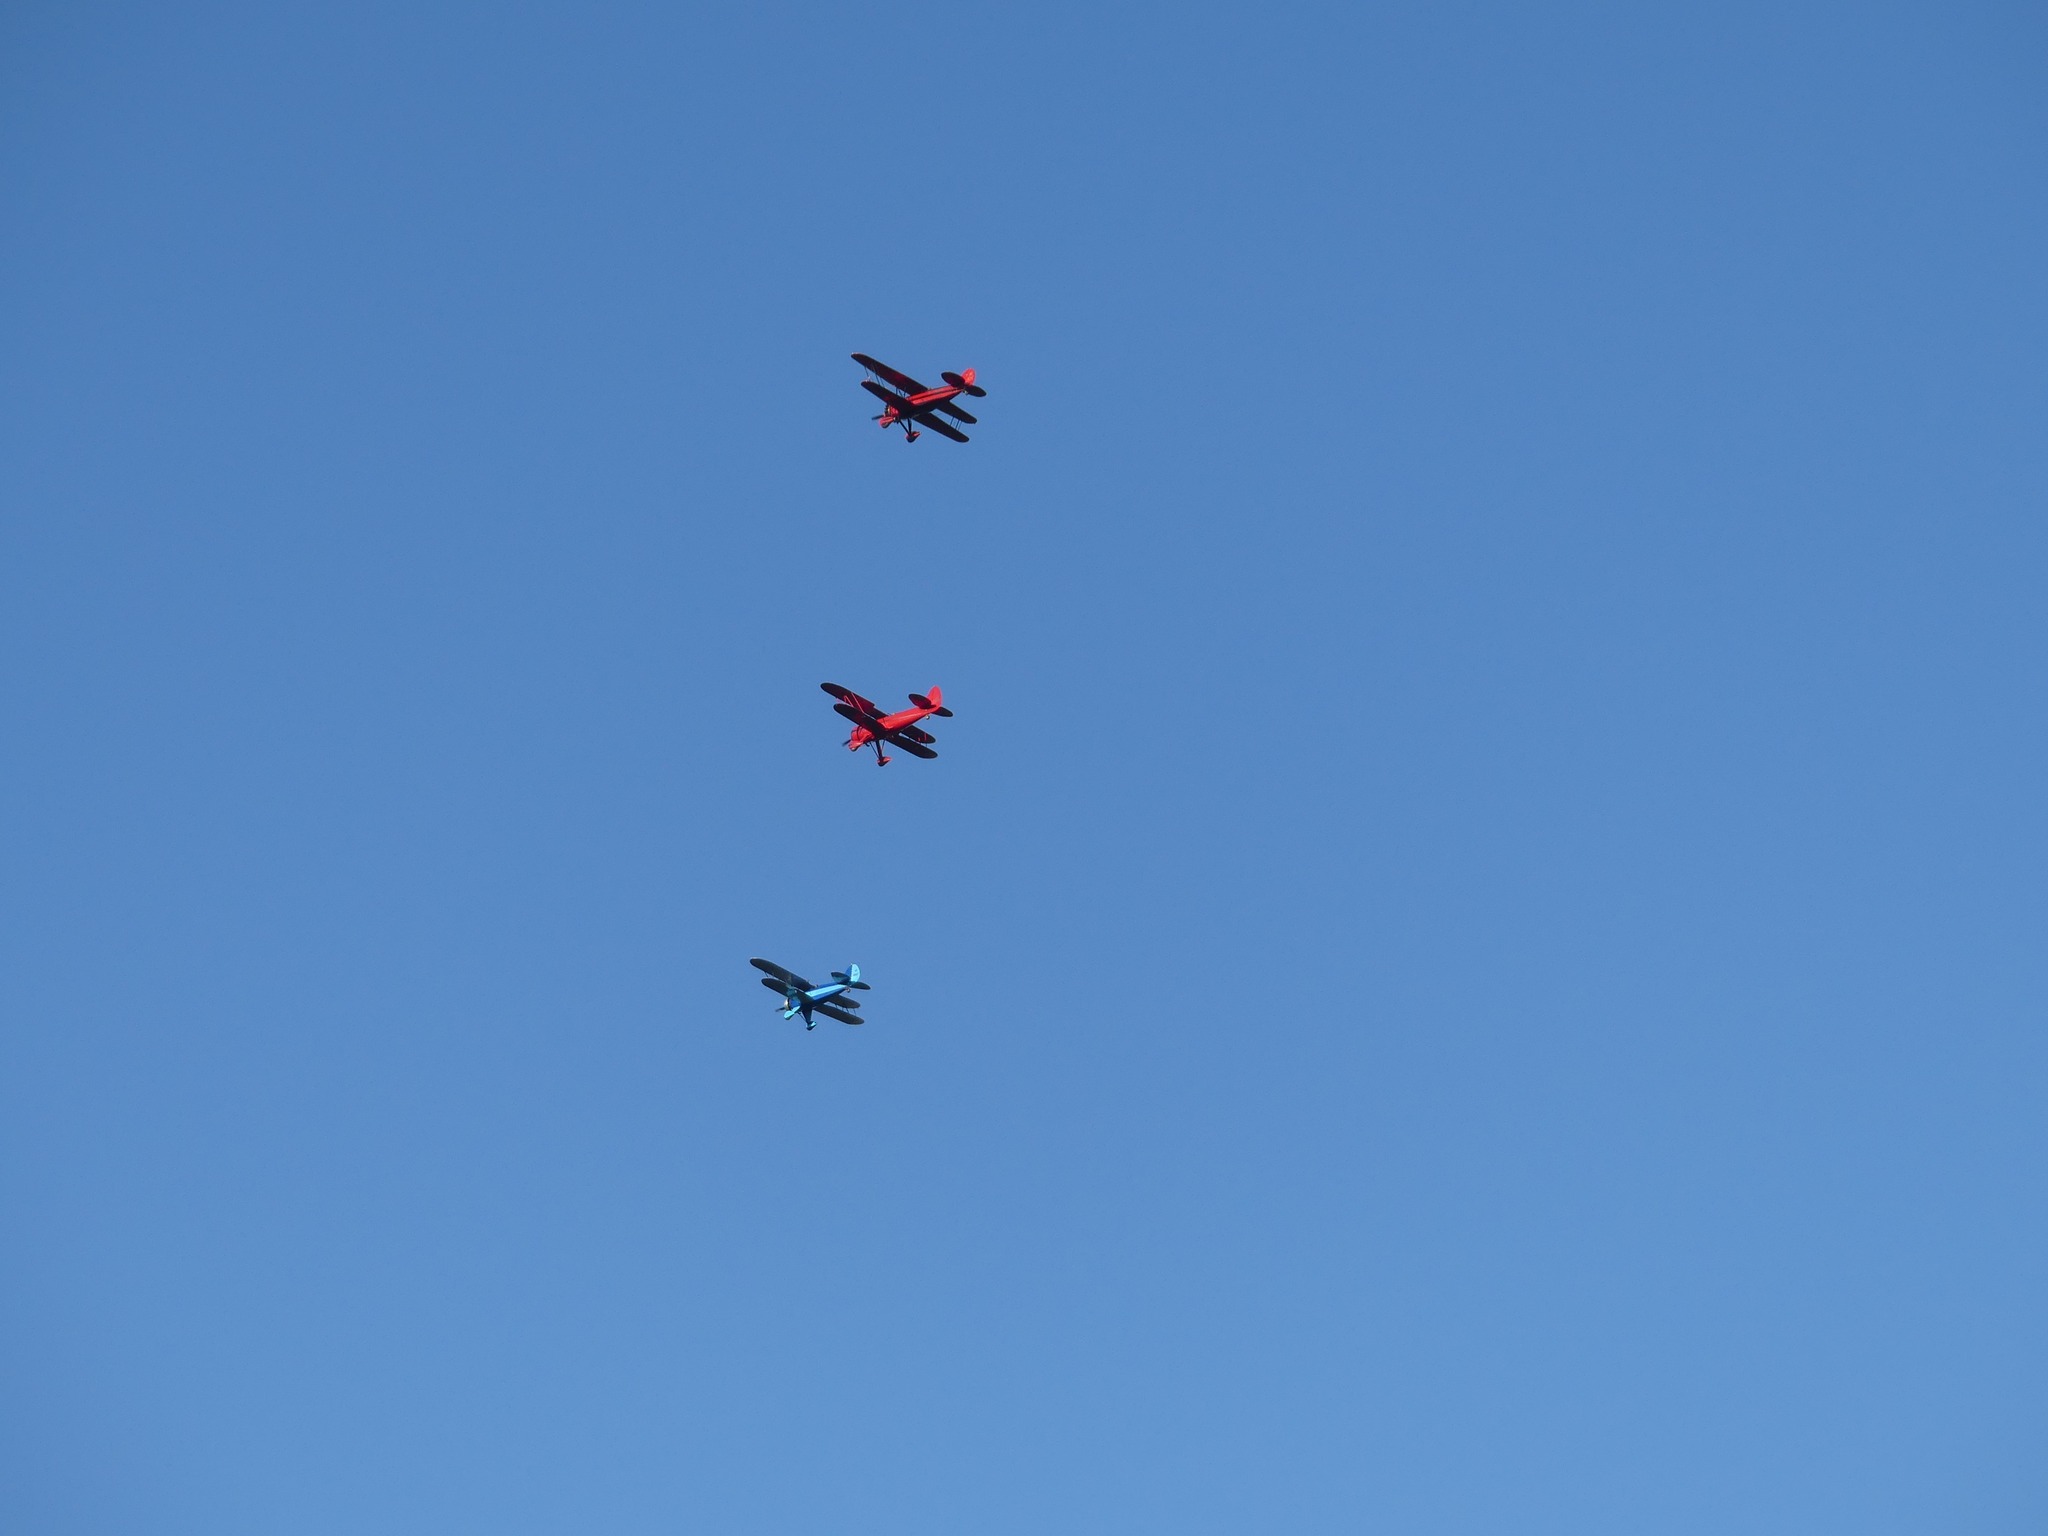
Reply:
x=909 y=405
x=871 y=727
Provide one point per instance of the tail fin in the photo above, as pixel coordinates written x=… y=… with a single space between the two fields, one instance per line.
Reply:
x=933 y=701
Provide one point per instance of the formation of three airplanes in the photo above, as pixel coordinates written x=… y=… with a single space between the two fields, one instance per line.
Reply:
x=909 y=405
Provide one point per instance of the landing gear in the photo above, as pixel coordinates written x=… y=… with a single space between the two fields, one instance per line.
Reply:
x=910 y=436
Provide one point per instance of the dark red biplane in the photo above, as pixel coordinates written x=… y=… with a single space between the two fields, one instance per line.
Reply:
x=871 y=727
x=909 y=405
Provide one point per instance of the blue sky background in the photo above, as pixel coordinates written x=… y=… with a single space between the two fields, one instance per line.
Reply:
x=1472 y=962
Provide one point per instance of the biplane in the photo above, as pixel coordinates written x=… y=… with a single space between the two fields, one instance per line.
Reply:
x=800 y=997
x=871 y=727
x=909 y=405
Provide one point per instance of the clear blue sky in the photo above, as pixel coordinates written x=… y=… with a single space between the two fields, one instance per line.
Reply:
x=1473 y=961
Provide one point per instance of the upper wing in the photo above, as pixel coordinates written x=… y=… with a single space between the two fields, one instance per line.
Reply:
x=840 y=1014
x=955 y=412
x=902 y=381
x=789 y=977
x=931 y=419
x=915 y=749
x=847 y=695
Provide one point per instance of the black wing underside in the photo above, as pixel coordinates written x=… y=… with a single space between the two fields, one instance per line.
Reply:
x=885 y=396
x=789 y=977
x=848 y=697
x=840 y=1014
x=930 y=419
x=955 y=412
x=902 y=381
x=914 y=748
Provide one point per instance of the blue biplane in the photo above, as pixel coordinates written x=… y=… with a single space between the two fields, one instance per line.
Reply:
x=800 y=997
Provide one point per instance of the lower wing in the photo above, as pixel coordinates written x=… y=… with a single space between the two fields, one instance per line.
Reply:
x=840 y=1014
x=931 y=419
x=914 y=748
x=884 y=396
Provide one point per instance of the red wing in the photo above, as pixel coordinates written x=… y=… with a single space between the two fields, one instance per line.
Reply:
x=847 y=695
x=931 y=419
x=898 y=739
x=902 y=381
